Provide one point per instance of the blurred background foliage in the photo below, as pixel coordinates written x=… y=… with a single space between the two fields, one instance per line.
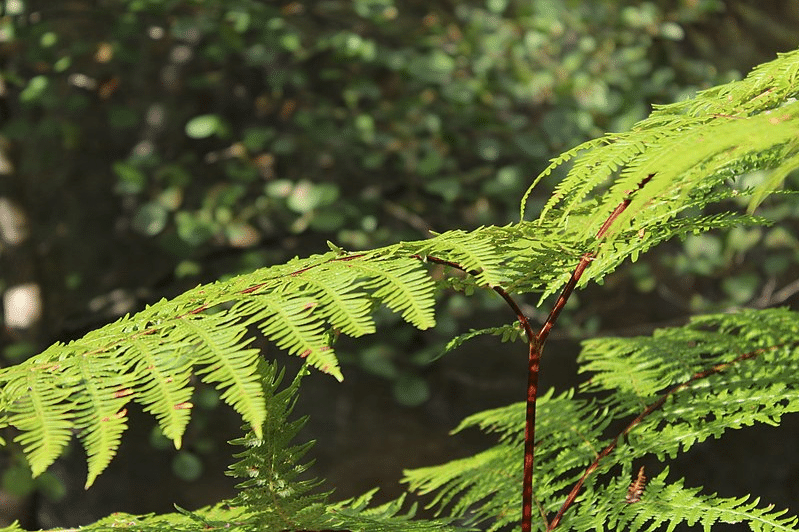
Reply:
x=149 y=145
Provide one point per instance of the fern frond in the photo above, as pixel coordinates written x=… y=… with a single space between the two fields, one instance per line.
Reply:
x=474 y=252
x=221 y=517
x=689 y=149
x=484 y=488
x=719 y=372
x=82 y=387
x=356 y=515
x=219 y=349
x=100 y=415
x=674 y=355
x=632 y=245
x=670 y=505
x=402 y=285
x=347 y=309
x=161 y=379
x=43 y=414
x=276 y=499
x=270 y=466
x=507 y=333
x=554 y=163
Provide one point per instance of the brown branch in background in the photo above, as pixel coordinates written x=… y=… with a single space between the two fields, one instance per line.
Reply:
x=718 y=368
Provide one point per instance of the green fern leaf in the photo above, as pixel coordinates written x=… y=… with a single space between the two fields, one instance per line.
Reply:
x=356 y=515
x=402 y=285
x=689 y=149
x=43 y=414
x=507 y=333
x=719 y=373
x=100 y=416
x=474 y=252
x=270 y=467
x=347 y=307
x=665 y=506
x=218 y=345
x=161 y=375
x=292 y=323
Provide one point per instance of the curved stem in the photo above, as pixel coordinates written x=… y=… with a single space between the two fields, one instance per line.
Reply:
x=541 y=338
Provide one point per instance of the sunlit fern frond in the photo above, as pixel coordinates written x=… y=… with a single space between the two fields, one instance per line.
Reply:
x=719 y=373
x=83 y=388
x=681 y=158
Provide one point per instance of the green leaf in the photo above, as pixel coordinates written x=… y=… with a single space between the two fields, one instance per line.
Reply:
x=150 y=219
x=203 y=126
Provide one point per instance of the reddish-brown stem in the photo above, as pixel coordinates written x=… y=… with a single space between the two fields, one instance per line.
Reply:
x=536 y=348
x=620 y=208
x=543 y=334
x=534 y=343
x=523 y=321
x=533 y=361
x=718 y=368
x=534 y=356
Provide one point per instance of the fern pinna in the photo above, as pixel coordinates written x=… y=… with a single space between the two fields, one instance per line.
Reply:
x=623 y=194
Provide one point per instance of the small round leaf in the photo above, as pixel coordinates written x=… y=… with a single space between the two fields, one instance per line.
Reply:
x=203 y=126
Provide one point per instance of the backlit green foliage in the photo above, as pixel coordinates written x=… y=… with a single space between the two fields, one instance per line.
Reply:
x=686 y=384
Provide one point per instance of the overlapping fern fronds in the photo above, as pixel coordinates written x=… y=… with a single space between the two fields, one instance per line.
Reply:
x=276 y=498
x=485 y=487
x=687 y=153
x=718 y=373
x=273 y=494
x=681 y=158
x=270 y=467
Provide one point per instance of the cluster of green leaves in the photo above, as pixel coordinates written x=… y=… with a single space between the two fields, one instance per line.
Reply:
x=717 y=373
